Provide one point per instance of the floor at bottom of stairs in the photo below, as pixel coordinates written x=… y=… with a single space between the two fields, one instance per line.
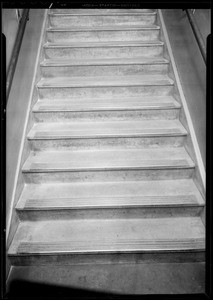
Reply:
x=106 y=279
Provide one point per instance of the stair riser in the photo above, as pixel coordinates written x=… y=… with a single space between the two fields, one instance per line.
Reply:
x=103 y=52
x=103 y=36
x=149 y=114
x=103 y=92
x=71 y=259
x=65 y=21
x=106 y=143
x=114 y=175
x=116 y=70
x=107 y=213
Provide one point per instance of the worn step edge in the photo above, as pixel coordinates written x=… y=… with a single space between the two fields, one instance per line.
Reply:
x=62 y=166
x=103 y=44
x=102 y=62
x=36 y=134
x=76 y=247
x=107 y=129
x=106 y=202
x=63 y=135
x=57 y=107
x=104 y=28
x=146 y=80
x=103 y=14
x=91 y=105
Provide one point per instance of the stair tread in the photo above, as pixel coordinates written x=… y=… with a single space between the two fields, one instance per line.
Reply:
x=106 y=129
x=104 y=28
x=102 y=44
x=183 y=278
x=52 y=161
x=105 y=81
x=97 y=12
x=104 y=61
x=92 y=104
x=173 y=193
x=125 y=235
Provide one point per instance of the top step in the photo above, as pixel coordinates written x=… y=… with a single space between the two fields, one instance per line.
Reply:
x=101 y=11
x=72 y=18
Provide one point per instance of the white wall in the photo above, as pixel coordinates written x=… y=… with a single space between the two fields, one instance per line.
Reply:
x=10 y=26
x=190 y=65
x=17 y=108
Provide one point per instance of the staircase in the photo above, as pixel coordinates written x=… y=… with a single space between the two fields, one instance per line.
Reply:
x=108 y=178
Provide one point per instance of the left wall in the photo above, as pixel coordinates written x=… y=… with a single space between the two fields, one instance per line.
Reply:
x=10 y=26
x=18 y=103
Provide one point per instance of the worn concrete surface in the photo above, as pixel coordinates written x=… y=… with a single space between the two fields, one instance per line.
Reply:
x=162 y=278
x=49 y=240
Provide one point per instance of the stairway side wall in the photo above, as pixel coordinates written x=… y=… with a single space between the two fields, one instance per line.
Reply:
x=18 y=109
x=10 y=29
x=187 y=110
x=190 y=64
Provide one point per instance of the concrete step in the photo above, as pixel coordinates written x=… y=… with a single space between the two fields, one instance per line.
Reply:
x=79 y=109
x=102 y=11
x=103 y=33
x=107 y=165
x=100 y=280
x=133 y=199
x=98 y=50
x=74 y=241
x=95 y=18
x=107 y=135
x=126 y=86
x=104 y=67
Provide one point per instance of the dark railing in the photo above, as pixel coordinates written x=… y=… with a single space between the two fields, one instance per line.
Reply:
x=197 y=33
x=16 y=49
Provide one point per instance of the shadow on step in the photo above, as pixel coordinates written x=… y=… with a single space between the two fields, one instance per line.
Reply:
x=21 y=289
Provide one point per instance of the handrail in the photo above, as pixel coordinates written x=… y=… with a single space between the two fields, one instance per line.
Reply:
x=15 y=53
x=197 y=33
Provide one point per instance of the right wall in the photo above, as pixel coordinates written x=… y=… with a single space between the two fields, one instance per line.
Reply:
x=190 y=65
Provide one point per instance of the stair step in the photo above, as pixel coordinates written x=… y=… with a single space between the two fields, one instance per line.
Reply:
x=107 y=134
x=109 y=104
x=107 y=165
x=109 y=199
x=105 y=44
x=137 y=108
x=115 y=279
x=101 y=11
x=95 y=18
x=103 y=33
x=126 y=86
x=51 y=161
x=104 y=61
x=106 y=129
x=155 y=235
x=155 y=80
x=104 y=67
x=103 y=28
x=99 y=50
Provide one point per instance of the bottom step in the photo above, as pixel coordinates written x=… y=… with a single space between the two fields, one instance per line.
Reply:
x=152 y=278
x=102 y=240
